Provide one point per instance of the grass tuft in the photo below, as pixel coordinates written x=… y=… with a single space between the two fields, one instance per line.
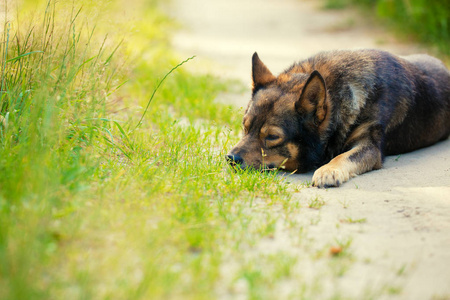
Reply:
x=316 y=203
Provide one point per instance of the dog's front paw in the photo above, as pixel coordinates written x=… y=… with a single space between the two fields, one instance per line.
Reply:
x=329 y=176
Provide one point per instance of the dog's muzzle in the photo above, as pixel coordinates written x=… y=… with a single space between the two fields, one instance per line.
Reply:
x=234 y=160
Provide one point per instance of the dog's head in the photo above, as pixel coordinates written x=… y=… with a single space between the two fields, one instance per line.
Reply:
x=285 y=121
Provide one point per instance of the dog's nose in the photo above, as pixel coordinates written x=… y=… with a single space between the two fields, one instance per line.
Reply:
x=234 y=159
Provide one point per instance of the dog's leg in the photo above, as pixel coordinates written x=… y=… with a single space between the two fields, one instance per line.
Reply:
x=363 y=157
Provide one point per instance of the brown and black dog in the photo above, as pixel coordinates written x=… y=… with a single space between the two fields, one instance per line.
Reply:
x=342 y=112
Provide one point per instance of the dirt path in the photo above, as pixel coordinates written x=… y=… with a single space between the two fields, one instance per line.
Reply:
x=403 y=210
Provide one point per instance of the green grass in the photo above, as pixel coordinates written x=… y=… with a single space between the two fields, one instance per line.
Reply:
x=316 y=202
x=93 y=206
x=426 y=21
x=350 y=220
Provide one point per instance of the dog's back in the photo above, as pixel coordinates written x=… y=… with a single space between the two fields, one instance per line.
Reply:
x=409 y=97
x=427 y=119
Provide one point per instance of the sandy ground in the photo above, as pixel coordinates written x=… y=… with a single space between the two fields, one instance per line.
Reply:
x=405 y=206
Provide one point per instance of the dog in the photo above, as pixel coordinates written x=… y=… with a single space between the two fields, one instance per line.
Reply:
x=341 y=112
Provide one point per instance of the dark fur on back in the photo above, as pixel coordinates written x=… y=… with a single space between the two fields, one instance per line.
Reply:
x=364 y=104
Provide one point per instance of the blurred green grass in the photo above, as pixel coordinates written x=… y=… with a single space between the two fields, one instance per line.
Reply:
x=427 y=21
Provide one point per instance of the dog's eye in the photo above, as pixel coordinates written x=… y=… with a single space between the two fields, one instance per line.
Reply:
x=272 y=137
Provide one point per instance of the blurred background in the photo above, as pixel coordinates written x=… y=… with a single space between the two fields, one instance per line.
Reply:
x=228 y=32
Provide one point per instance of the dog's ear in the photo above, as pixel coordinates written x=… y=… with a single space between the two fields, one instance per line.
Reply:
x=313 y=99
x=261 y=75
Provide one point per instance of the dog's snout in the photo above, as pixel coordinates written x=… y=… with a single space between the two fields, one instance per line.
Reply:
x=234 y=159
x=271 y=166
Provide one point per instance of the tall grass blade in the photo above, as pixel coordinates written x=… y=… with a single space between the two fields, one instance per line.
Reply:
x=23 y=55
x=157 y=87
x=6 y=36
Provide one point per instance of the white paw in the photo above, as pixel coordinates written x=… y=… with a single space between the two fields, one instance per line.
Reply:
x=329 y=176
